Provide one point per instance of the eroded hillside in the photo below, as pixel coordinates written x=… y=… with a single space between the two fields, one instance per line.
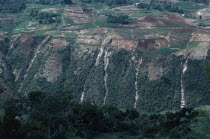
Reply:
x=153 y=63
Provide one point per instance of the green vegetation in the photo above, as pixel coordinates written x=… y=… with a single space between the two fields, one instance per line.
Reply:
x=198 y=1
x=121 y=19
x=120 y=80
x=12 y=6
x=45 y=17
x=184 y=6
x=163 y=92
x=20 y=24
x=201 y=128
x=145 y=12
x=109 y=2
x=189 y=6
x=57 y=116
x=194 y=82
x=163 y=51
x=4 y=45
x=167 y=6
x=53 y=2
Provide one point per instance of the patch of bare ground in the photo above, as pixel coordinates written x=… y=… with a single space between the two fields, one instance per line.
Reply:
x=58 y=43
x=95 y=31
x=88 y=11
x=155 y=71
x=191 y=21
x=125 y=44
x=204 y=13
x=198 y=52
x=75 y=13
x=5 y=19
x=155 y=21
x=182 y=30
x=52 y=68
x=92 y=40
x=26 y=40
x=198 y=46
x=74 y=8
x=154 y=67
x=201 y=35
x=53 y=10
x=152 y=44
x=70 y=28
x=130 y=9
x=95 y=37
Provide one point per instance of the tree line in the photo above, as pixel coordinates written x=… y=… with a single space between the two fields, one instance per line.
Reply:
x=45 y=17
x=161 y=7
x=12 y=6
x=120 y=19
x=198 y=1
x=52 y=2
x=16 y=6
x=109 y=2
x=55 y=116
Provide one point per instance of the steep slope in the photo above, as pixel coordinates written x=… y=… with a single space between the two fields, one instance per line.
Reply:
x=154 y=63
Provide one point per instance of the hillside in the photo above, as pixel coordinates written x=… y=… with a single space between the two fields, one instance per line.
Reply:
x=152 y=62
x=104 y=69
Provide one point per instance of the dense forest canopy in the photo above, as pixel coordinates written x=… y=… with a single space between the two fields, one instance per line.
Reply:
x=45 y=17
x=121 y=19
x=13 y=6
x=161 y=7
x=43 y=115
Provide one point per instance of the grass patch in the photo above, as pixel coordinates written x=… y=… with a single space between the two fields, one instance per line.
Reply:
x=189 y=6
x=144 y=12
x=70 y=40
x=193 y=44
x=7 y=26
x=20 y=27
x=41 y=6
x=39 y=33
x=201 y=128
x=106 y=12
x=16 y=25
x=67 y=21
x=99 y=23
x=163 y=51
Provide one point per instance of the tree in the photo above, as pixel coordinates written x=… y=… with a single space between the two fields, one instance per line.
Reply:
x=68 y=1
x=121 y=19
x=10 y=126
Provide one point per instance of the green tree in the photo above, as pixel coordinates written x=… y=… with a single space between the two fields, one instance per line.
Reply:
x=68 y=1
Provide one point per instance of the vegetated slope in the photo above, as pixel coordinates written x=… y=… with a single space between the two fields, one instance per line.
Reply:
x=6 y=91
x=154 y=63
x=200 y=128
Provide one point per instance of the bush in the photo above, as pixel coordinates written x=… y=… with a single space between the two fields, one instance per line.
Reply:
x=120 y=19
x=45 y=17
